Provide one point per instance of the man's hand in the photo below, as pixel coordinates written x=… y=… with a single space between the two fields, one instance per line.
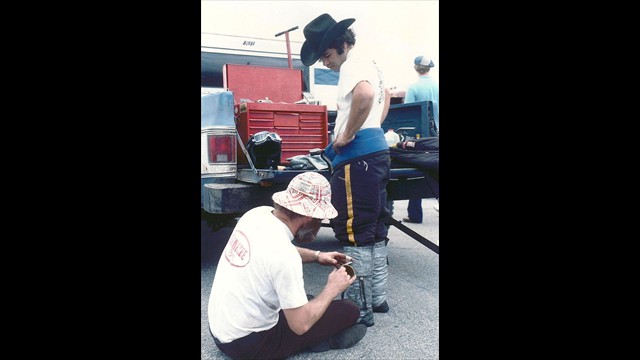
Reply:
x=341 y=141
x=339 y=280
x=333 y=258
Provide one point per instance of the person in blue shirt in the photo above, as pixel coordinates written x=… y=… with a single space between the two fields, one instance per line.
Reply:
x=425 y=89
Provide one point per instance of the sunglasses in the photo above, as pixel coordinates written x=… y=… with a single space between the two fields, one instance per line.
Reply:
x=262 y=136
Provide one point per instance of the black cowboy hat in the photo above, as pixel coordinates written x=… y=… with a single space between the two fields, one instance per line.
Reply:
x=319 y=34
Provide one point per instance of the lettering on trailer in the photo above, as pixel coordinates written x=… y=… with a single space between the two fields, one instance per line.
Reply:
x=248 y=43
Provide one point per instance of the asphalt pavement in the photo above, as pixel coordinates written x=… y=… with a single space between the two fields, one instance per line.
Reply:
x=410 y=330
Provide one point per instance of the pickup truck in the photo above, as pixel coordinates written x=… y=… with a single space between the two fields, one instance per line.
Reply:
x=229 y=188
x=244 y=92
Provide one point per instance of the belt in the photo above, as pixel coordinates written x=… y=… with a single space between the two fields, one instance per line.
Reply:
x=352 y=244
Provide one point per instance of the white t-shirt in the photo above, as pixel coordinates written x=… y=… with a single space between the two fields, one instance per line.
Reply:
x=259 y=273
x=352 y=71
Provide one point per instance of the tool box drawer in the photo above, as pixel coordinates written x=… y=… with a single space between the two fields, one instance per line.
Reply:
x=283 y=119
x=302 y=127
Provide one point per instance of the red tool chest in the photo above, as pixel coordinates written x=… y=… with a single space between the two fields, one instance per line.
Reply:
x=301 y=126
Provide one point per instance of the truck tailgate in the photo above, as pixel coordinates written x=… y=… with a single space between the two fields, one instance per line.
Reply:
x=404 y=183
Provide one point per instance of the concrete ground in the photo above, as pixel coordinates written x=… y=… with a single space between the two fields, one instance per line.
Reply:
x=410 y=330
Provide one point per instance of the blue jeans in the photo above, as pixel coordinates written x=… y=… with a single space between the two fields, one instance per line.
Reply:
x=415 y=210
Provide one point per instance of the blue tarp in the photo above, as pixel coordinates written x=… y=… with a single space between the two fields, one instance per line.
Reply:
x=217 y=109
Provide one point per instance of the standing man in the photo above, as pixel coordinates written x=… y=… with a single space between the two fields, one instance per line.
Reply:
x=425 y=89
x=360 y=159
x=258 y=307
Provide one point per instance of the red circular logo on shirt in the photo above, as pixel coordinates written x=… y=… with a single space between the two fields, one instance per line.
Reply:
x=238 y=250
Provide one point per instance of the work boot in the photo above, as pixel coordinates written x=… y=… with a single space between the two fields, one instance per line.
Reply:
x=367 y=320
x=342 y=340
x=382 y=308
x=360 y=294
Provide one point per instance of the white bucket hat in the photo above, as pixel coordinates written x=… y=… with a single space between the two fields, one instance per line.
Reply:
x=308 y=194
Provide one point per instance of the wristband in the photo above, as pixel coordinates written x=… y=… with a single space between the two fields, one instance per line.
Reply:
x=317 y=255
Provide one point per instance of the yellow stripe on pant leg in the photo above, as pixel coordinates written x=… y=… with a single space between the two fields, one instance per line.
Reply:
x=347 y=185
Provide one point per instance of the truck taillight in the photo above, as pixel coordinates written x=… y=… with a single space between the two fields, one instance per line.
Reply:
x=222 y=148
